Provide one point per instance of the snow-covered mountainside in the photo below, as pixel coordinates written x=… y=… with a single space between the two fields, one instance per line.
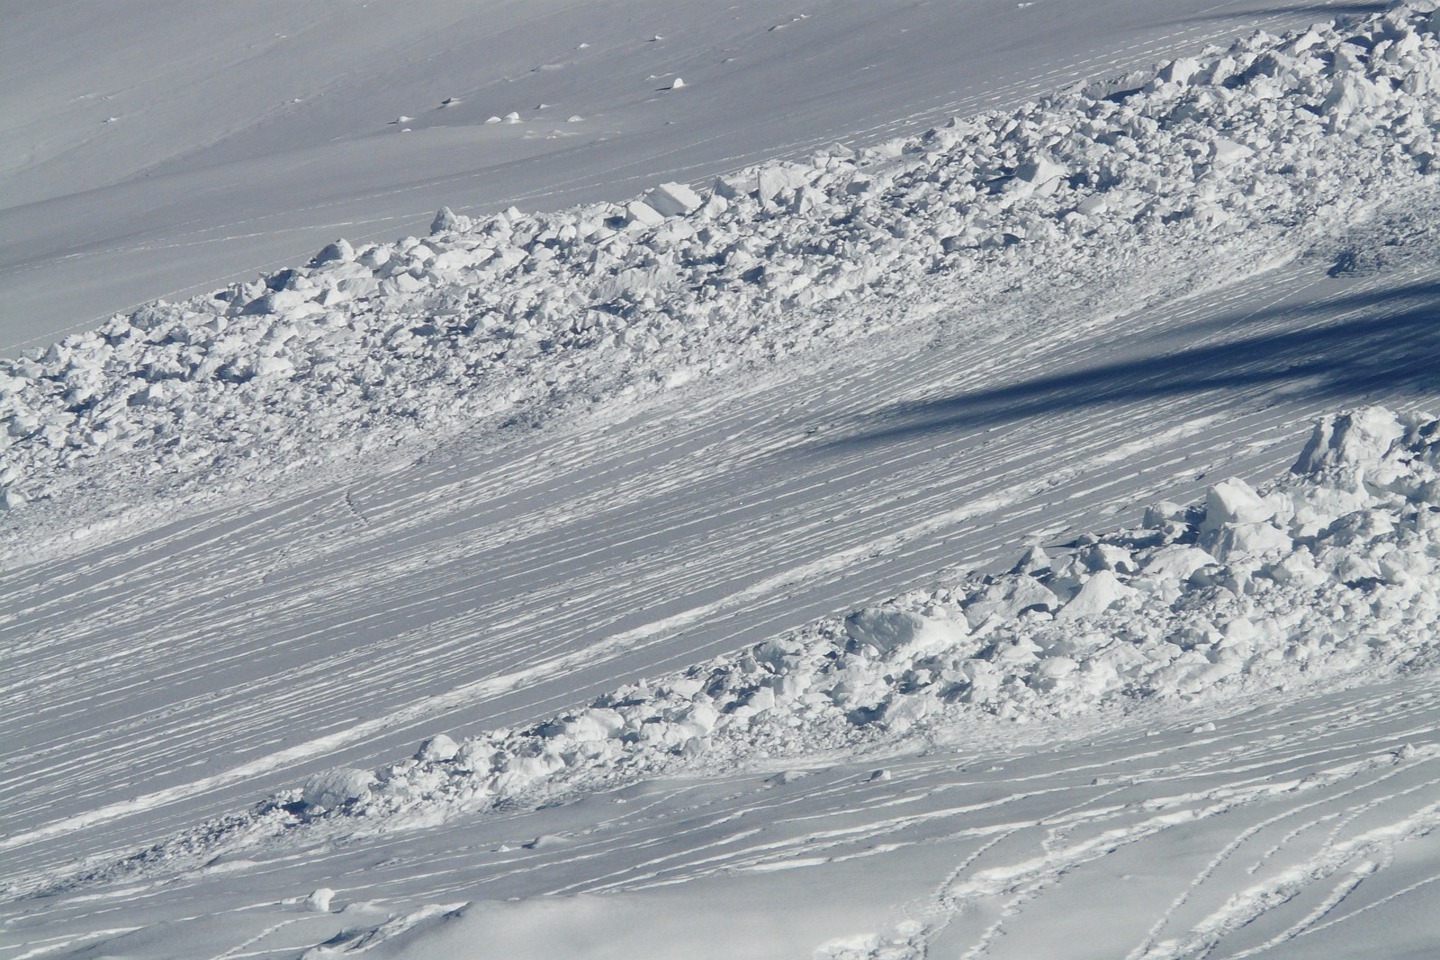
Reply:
x=1330 y=573
x=600 y=508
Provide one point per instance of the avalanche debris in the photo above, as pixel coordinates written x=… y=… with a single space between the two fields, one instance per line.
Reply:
x=1326 y=574
x=1264 y=147
x=1327 y=571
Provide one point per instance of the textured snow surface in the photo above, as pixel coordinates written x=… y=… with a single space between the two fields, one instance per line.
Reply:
x=1327 y=574
x=1323 y=578
x=172 y=147
x=452 y=487
x=1252 y=153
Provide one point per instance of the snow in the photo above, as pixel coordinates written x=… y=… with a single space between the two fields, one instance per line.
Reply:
x=536 y=569
x=1251 y=606
x=518 y=308
x=241 y=139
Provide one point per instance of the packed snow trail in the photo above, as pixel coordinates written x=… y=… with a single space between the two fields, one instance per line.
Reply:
x=171 y=153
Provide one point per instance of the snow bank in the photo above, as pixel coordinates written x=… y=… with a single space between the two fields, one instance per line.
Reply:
x=1249 y=147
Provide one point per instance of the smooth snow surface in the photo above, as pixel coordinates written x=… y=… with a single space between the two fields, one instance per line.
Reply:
x=520 y=589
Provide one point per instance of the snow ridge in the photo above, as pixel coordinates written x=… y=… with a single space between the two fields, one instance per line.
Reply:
x=1324 y=572
x=1322 y=575
x=1266 y=146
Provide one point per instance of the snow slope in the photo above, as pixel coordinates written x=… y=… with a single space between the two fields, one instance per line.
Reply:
x=213 y=606
x=159 y=150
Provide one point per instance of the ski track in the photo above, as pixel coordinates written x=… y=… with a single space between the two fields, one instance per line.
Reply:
x=1170 y=818
x=237 y=650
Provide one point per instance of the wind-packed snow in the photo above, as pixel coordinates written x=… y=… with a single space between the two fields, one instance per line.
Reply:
x=1258 y=151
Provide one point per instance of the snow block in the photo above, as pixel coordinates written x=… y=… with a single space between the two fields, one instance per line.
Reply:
x=776 y=181
x=438 y=748
x=1223 y=151
x=338 y=252
x=1180 y=71
x=887 y=628
x=1234 y=501
x=640 y=214
x=1095 y=597
x=447 y=221
x=1349 y=440
x=673 y=199
x=1040 y=171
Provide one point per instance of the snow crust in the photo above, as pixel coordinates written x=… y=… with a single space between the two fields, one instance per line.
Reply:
x=1267 y=145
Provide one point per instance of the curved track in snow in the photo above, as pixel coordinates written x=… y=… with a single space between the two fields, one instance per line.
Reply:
x=174 y=674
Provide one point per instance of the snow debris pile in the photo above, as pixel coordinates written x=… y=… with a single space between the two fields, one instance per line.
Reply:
x=1327 y=571
x=487 y=315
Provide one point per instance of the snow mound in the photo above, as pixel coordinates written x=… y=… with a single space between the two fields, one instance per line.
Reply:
x=1261 y=147
x=1324 y=575
x=1327 y=571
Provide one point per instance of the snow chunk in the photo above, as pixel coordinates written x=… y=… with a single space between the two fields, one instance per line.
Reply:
x=437 y=748
x=447 y=221
x=1097 y=595
x=1040 y=171
x=319 y=901
x=335 y=788
x=1349 y=440
x=641 y=214
x=1234 y=501
x=1224 y=151
x=887 y=628
x=673 y=199
x=338 y=252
